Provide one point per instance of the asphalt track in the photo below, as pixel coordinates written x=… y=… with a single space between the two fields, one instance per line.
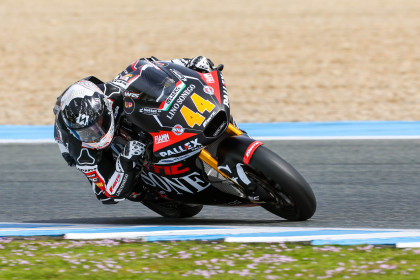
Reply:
x=358 y=184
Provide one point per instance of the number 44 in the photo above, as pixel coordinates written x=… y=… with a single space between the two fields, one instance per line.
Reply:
x=192 y=118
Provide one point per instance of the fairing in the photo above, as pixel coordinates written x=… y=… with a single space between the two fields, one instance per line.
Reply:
x=194 y=113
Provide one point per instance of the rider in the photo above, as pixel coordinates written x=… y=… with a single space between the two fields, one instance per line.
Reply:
x=90 y=113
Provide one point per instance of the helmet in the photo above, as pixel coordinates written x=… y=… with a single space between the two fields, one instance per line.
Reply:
x=87 y=113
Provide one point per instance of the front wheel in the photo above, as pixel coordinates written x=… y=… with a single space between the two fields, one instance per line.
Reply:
x=289 y=195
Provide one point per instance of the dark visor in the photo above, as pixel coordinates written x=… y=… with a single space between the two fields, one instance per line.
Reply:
x=94 y=132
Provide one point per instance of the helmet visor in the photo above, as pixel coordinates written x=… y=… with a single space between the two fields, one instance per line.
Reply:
x=95 y=131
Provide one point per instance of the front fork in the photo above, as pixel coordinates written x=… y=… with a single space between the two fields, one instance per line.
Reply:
x=210 y=160
x=241 y=147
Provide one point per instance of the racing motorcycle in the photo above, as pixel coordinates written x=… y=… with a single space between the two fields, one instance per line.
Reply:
x=197 y=155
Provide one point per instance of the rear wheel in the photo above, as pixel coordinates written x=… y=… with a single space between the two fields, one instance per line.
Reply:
x=287 y=193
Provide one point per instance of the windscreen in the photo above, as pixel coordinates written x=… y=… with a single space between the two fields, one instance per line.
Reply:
x=154 y=85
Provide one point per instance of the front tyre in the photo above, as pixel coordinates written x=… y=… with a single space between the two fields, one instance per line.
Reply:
x=290 y=196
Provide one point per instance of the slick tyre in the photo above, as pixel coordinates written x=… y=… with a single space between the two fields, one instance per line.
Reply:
x=169 y=209
x=290 y=196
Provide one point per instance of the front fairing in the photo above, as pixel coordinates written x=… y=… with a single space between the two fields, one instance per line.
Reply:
x=193 y=114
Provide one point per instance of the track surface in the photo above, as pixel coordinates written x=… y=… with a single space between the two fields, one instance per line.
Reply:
x=360 y=183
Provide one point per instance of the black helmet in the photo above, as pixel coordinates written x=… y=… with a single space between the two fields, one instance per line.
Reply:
x=87 y=113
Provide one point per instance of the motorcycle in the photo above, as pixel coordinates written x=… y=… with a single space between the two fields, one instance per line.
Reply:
x=197 y=155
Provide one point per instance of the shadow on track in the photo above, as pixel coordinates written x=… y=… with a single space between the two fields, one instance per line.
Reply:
x=162 y=221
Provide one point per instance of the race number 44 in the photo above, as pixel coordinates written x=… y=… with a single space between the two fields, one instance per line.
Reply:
x=192 y=118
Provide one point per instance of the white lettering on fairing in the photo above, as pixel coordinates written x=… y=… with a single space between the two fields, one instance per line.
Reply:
x=190 y=183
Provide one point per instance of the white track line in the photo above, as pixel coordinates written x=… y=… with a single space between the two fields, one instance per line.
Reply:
x=324 y=237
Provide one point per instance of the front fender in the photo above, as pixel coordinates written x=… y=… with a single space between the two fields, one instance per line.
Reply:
x=238 y=148
x=234 y=152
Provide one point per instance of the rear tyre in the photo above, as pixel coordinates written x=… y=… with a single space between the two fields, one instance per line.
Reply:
x=289 y=195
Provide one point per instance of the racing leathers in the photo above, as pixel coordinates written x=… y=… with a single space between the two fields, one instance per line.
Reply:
x=112 y=171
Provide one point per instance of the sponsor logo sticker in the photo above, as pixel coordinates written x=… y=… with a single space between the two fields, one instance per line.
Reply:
x=149 y=111
x=132 y=94
x=208 y=90
x=162 y=138
x=209 y=78
x=250 y=151
x=178 y=129
x=129 y=106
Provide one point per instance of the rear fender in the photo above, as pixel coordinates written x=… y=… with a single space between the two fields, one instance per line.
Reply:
x=233 y=153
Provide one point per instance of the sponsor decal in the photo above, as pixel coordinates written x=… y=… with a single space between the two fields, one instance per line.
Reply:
x=96 y=178
x=172 y=96
x=225 y=93
x=129 y=106
x=122 y=80
x=240 y=173
x=149 y=111
x=250 y=151
x=177 y=158
x=82 y=119
x=225 y=98
x=178 y=129
x=219 y=129
x=179 y=101
x=126 y=77
x=192 y=145
x=208 y=77
x=116 y=181
x=122 y=185
x=162 y=138
x=213 y=79
x=209 y=119
x=208 y=90
x=86 y=169
x=169 y=170
x=190 y=183
x=132 y=95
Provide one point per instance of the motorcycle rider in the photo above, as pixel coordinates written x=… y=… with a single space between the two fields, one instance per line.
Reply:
x=89 y=114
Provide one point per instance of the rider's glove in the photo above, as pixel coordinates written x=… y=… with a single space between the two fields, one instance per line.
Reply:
x=133 y=151
x=201 y=64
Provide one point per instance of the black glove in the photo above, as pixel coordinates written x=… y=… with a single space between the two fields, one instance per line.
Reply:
x=133 y=151
x=201 y=64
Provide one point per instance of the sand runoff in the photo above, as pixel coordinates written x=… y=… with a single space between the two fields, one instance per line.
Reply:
x=318 y=60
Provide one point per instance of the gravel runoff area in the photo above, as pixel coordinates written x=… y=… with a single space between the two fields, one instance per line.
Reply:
x=319 y=60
